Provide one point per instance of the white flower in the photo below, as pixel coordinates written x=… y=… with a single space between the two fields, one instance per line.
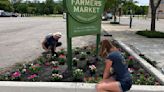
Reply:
x=79 y=70
x=24 y=70
x=24 y=65
x=92 y=67
x=32 y=64
x=54 y=62
x=61 y=76
x=130 y=70
x=57 y=76
x=75 y=59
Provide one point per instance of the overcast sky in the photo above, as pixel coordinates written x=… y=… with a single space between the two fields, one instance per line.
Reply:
x=141 y=2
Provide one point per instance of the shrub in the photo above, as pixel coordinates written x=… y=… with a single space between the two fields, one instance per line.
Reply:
x=78 y=74
x=114 y=22
x=56 y=77
x=35 y=68
x=62 y=59
x=151 y=34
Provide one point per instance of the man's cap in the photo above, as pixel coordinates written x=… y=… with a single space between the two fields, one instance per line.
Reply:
x=58 y=34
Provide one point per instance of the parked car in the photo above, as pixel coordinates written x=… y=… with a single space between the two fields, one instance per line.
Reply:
x=107 y=16
x=64 y=15
x=7 y=14
x=1 y=11
x=14 y=15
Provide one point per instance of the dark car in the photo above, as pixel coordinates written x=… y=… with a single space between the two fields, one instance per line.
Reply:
x=14 y=15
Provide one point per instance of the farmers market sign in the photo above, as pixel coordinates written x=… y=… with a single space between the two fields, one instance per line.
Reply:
x=84 y=16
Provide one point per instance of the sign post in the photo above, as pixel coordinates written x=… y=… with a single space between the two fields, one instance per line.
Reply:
x=83 y=18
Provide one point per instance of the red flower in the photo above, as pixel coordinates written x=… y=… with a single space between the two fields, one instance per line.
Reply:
x=55 y=67
x=130 y=57
x=61 y=48
x=16 y=74
x=62 y=56
x=47 y=63
x=32 y=76
x=37 y=65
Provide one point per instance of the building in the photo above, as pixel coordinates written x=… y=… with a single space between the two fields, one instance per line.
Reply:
x=15 y=1
x=160 y=11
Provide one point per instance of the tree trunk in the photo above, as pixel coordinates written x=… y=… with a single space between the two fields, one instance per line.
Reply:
x=153 y=13
x=153 y=20
x=115 y=10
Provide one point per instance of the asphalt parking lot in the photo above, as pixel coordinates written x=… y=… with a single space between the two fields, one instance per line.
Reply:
x=20 y=38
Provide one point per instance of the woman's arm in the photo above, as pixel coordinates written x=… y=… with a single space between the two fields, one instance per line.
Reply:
x=43 y=45
x=108 y=64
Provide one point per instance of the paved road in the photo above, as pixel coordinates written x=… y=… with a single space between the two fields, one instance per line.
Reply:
x=142 y=23
x=20 y=38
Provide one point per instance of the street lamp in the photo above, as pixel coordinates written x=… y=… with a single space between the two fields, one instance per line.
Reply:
x=130 y=24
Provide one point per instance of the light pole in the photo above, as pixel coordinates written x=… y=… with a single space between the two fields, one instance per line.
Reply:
x=130 y=24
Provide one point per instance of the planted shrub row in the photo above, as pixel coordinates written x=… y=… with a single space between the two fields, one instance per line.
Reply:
x=151 y=34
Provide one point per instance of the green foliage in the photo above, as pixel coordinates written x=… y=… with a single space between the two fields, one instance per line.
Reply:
x=39 y=8
x=114 y=22
x=78 y=74
x=109 y=4
x=35 y=68
x=6 y=5
x=58 y=8
x=21 y=7
x=49 y=7
x=151 y=34
x=56 y=77
x=137 y=10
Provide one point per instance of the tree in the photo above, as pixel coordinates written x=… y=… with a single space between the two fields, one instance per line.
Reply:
x=58 y=7
x=20 y=7
x=112 y=6
x=154 y=4
x=6 y=5
x=49 y=7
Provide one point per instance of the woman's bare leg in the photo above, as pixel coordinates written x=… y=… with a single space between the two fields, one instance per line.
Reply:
x=111 y=79
x=108 y=87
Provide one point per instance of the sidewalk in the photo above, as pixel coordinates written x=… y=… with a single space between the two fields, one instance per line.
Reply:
x=152 y=48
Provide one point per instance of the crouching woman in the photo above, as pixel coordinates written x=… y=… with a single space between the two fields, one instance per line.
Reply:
x=120 y=80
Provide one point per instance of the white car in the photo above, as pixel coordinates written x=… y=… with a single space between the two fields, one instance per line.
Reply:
x=64 y=15
x=107 y=16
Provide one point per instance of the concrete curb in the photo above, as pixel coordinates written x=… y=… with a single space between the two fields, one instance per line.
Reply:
x=64 y=87
x=152 y=70
x=158 y=75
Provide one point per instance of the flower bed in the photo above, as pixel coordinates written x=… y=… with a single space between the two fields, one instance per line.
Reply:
x=86 y=68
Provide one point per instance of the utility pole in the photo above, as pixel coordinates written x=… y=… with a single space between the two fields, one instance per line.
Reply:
x=130 y=24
